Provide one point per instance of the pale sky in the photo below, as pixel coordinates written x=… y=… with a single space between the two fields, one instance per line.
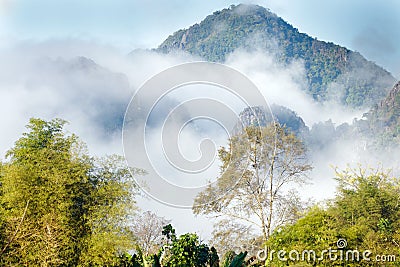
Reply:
x=371 y=27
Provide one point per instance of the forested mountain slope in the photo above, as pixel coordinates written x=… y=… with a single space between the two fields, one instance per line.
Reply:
x=384 y=119
x=331 y=70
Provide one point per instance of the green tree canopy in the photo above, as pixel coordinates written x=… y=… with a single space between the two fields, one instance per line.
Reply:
x=365 y=213
x=187 y=250
x=60 y=206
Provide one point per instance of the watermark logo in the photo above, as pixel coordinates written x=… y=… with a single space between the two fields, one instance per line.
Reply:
x=176 y=122
x=331 y=254
x=341 y=243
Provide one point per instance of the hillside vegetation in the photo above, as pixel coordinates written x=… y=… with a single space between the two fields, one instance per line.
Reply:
x=331 y=70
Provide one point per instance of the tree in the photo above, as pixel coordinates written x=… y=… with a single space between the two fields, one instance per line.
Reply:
x=169 y=232
x=257 y=172
x=61 y=206
x=229 y=235
x=316 y=231
x=110 y=210
x=259 y=165
x=367 y=209
x=239 y=260
x=364 y=215
x=213 y=258
x=2 y=212
x=147 y=229
x=187 y=250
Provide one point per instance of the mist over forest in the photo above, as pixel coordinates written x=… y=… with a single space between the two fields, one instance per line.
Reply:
x=335 y=111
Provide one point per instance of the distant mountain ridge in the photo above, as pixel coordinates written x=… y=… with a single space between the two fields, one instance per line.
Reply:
x=378 y=132
x=331 y=70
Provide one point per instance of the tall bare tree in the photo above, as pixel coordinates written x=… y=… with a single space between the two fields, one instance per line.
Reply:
x=259 y=171
x=147 y=230
x=230 y=235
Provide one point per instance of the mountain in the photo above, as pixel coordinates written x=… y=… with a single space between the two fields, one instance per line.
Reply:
x=315 y=138
x=384 y=119
x=388 y=111
x=260 y=116
x=331 y=70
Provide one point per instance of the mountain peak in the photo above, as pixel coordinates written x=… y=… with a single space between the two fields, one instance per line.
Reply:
x=246 y=9
x=330 y=69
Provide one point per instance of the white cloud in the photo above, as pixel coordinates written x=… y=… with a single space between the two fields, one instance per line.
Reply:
x=286 y=85
x=49 y=80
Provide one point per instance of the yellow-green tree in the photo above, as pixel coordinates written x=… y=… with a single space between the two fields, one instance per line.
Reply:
x=364 y=216
x=60 y=206
x=367 y=210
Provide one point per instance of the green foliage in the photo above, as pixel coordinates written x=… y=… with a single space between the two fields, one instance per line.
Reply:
x=213 y=258
x=315 y=231
x=365 y=213
x=383 y=122
x=374 y=224
x=331 y=70
x=187 y=250
x=228 y=258
x=2 y=215
x=61 y=206
x=169 y=232
x=238 y=260
x=127 y=260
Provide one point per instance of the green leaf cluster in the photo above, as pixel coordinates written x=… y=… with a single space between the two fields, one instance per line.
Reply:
x=365 y=213
x=187 y=250
x=60 y=206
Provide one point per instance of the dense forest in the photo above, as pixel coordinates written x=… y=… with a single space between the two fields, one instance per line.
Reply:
x=62 y=207
x=383 y=119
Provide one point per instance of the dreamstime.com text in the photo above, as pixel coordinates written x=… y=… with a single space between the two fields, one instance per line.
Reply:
x=331 y=254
